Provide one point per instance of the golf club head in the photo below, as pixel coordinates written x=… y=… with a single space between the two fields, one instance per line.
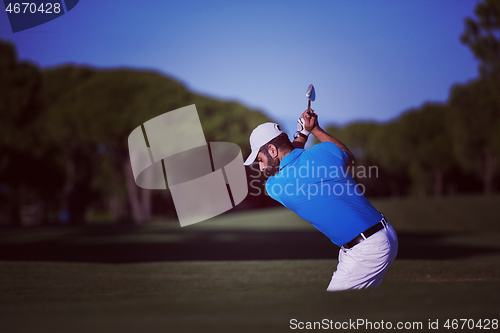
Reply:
x=311 y=94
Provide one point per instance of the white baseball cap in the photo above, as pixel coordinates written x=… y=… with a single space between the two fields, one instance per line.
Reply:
x=261 y=135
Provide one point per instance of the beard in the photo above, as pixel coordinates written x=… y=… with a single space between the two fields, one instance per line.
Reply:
x=273 y=166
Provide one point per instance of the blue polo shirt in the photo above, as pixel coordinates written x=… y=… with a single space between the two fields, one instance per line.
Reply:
x=316 y=185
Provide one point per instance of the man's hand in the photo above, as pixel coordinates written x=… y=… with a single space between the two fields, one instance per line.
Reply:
x=301 y=127
x=307 y=122
x=310 y=120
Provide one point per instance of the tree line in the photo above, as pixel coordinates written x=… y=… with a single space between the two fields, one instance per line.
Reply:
x=63 y=138
x=64 y=130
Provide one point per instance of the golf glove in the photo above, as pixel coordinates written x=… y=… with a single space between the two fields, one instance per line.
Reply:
x=301 y=127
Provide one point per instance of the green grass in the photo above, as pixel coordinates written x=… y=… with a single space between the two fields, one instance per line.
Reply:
x=456 y=214
x=253 y=296
x=227 y=296
x=459 y=213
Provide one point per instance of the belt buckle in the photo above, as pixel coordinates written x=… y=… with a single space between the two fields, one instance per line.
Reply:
x=384 y=221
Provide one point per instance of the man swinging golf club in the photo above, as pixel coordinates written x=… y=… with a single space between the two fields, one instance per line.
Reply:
x=315 y=184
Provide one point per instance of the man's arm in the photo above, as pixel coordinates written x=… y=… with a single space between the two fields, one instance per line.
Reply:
x=299 y=142
x=311 y=124
x=322 y=136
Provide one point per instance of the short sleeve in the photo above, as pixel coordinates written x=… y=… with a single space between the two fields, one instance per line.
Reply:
x=333 y=149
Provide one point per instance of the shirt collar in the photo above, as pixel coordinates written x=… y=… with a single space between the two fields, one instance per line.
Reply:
x=290 y=157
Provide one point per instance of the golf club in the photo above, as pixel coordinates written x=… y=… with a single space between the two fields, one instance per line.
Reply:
x=311 y=96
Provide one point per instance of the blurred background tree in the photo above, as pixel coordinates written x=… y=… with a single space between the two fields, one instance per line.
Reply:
x=474 y=121
x=482 y=35
x=98 y=113
x=64 y=136
x=456 y=142
x=426 y=146
x=476 y=106
x=25 y=154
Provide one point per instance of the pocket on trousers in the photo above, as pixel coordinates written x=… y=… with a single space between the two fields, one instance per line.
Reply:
x=378 y=249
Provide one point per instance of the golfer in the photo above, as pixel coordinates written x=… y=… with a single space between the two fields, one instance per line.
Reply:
x=316 y=185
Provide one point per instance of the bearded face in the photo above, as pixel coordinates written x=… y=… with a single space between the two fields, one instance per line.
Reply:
x=273 y=167
x=267 y=164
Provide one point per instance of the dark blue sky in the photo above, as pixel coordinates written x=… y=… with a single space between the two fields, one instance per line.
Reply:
x=367 y=59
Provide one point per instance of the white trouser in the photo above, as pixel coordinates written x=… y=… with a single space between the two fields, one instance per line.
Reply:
x=365 y=264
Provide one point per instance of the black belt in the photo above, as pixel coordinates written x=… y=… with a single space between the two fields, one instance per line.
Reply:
x=365 y=234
